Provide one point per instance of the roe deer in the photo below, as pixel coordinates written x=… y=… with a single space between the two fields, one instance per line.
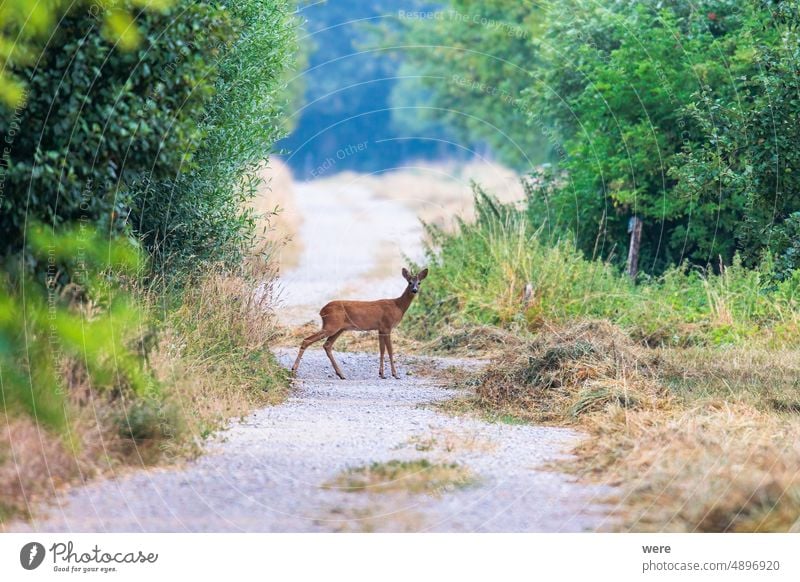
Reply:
x=382 y=315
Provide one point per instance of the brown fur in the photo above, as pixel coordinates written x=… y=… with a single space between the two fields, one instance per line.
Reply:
x=382 y=316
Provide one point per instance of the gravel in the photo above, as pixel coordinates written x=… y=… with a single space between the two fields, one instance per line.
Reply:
x=265 y=474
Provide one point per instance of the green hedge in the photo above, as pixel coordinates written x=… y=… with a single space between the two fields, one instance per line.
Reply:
x=156 y=140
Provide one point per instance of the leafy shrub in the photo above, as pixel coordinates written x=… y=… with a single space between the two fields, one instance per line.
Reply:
x=155 y=138
x=747 y=160
x=690 y=126
x=41 y=326
x=24 y=26
x=501 y=270
x=98 y=120
x=198 y=213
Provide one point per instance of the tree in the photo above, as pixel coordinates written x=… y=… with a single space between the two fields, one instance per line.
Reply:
x=468 y=65
x=681 y=114
x=749 y=154
x=154 y=140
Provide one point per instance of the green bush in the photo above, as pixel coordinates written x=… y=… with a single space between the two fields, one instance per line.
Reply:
x=96 y=324
x=198 y=214
x=155 y=138
x=98 y=120
x=479 y=275
x=681 y=113
x=26 y=25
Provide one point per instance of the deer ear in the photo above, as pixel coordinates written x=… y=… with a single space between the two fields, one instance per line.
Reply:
x=406 y=276
x=422 y=274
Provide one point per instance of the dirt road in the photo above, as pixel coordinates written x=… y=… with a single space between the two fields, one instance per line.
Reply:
x=277 y=470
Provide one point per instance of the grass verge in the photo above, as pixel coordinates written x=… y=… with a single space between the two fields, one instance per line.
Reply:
x=686 y=382
x=418 y=476
x=210 y=360
x=695 y=439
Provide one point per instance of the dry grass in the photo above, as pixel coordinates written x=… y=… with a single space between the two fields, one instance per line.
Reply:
x=696 y=440
x=418 y=476
x=438 y=192
x=567 y=372
x=216 y=356
x=212 y=363
x=758 y=375
x=712 y=467
x=33 y=463
x=36 y=462
x=472 y=340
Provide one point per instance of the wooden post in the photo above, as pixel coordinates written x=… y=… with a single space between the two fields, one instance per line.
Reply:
x=635 y=228
x=527 y=295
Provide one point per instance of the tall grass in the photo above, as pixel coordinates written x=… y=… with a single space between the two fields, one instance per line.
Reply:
x=502 y=270
x=120 y=375
x=686 y=382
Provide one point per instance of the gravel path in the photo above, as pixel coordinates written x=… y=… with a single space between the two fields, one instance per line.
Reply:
x=354 y=245
x=267 y=473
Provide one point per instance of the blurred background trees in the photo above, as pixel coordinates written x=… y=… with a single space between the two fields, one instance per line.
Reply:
x=678 y=113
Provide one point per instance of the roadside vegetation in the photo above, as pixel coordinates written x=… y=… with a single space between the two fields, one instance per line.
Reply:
x=135 y=291
x=686 y=382
x=674 y=113
x=505 y=270
x=683 y=369
x=417 y=476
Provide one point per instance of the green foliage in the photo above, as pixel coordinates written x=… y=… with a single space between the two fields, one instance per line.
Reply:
x=99 y=121
x=681 y=113
x=479 y=275
x=749 y=161
x=198 y=214
x=24 y=25
x=468 y=67
x=155 y=138
x=127 y=141
x=623 y=103
x=43 y=325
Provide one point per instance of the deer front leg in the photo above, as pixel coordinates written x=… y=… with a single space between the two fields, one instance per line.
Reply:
x=389 y=349
x=382 y=344
x=328 y=345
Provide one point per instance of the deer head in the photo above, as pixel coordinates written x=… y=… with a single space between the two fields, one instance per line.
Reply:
x=414 y=280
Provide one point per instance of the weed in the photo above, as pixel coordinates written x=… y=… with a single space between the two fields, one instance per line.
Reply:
x=418 y=476
x=500 y=271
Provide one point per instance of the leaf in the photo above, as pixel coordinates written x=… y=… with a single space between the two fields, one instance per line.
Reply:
x=121 y=29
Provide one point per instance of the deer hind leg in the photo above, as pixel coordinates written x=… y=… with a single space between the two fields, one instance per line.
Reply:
x=328 y=345
x=307 y=342
x=382 y=344
x=388 y=341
